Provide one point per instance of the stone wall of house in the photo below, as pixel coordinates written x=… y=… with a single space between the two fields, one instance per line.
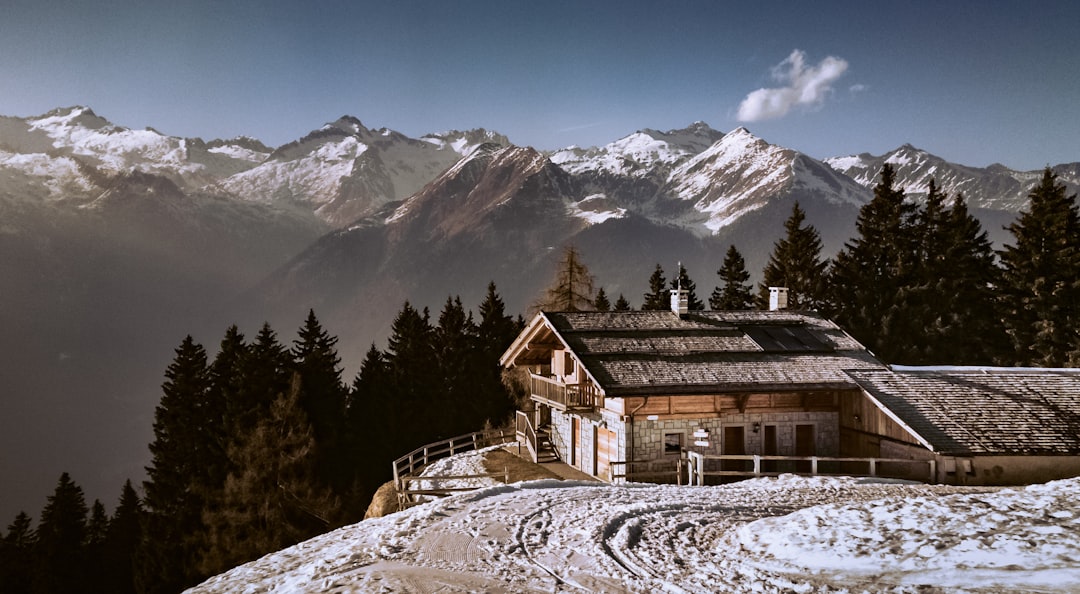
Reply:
x=649 y=436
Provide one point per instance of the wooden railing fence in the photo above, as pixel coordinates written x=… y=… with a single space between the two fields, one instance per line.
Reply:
x=408 y=467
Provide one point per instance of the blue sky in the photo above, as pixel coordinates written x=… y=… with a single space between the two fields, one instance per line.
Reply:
x=974 y=82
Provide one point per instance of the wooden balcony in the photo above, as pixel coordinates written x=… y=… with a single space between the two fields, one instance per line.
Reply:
x=563 y=396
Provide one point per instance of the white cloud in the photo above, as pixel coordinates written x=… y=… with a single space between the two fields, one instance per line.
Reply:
x=804 y=85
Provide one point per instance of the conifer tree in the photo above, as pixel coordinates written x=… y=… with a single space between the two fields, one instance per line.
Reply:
x=495 y=333
x=796 y=263
x=96 y=577
x=228 y=387
x=174 y=503
x=734 y=292
x=572 y=288
x=61 y=538
x=871 y=272
x=657 y=298
x=1041 y=277
x=456 y=358
x=323 y=396
x=621 y=304
x=122 y=541
x=17 y=550
x=683 y=281
x=414 y=382
x=601 y=302
x=274 y=499
x=375 y=423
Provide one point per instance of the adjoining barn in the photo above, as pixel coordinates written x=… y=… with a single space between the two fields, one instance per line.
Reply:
x=983 y=426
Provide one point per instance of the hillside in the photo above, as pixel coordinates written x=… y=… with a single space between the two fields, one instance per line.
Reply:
x=778 y=534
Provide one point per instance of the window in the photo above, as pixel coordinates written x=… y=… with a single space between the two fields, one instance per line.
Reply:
x=673 y=444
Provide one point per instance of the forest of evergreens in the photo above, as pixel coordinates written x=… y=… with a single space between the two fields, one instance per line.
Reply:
x=265 y=444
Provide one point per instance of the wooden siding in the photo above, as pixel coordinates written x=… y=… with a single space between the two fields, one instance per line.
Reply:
x=863 y=426
x=708 y=406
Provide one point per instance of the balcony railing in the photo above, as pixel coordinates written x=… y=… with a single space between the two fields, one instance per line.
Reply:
x=563 y=396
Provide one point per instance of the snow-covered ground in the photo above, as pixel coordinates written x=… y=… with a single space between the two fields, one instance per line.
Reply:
x=786 y=534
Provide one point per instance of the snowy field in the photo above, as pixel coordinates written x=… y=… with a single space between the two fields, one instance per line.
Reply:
x=788 y=534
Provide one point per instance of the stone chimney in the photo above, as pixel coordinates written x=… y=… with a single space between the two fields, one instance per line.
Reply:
x=777 y=298
x=680 y=302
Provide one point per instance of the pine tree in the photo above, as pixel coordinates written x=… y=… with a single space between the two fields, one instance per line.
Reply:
x=683 y=281
x=17 y=556
x=61 y=538
x=375 y=423
x=621 y=304
x=96 y=576
x=1041 y=277
x=657 y=298
x=572 y=289
x=796 y=263
x=414 y=382
x=601 y=302
x=873 y=270
x=122 y=542
x=495 y=333
x=228 y=387
x=274 y=499
x=174 y=502
x=735 y=292
x=323 y=396
x=456 y=357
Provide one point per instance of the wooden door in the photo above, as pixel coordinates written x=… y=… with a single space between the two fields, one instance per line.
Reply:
x=769 y=447
x=575 y=441
x=606 y=445
x=804 y=445
x=734 y=444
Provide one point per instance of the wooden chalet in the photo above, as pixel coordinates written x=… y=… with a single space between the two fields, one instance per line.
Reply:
x=626 y=394
x=981 y=426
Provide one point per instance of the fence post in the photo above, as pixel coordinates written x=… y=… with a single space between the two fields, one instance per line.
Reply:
x=873 y=466
x=757 y=464
x=813 y=465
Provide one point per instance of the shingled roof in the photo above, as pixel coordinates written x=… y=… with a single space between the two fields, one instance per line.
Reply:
x=659 y=352
x=967 y=411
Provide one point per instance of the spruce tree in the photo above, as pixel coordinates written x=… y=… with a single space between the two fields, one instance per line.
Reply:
x=375 y=423
x=873 y=270
x=61 y=539
x=1041 y=277
x=414 y=382
x=96 y=576
x=601 y=302
x=274 y=499
x=621 y=304
x=683 y=281
x=122 y=541
x=457 y=357
x=796 y=263
x=657 y=298
x=572 y=288
x=734 y=292
x=17 y=556
x=323 y=396
x=174 y=500
x=495 y=333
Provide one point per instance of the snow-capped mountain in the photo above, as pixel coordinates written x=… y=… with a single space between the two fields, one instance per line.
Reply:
x=992 y=188
x=345 y=171
x=66 y=152
x=741 y=173
x=639 y=153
